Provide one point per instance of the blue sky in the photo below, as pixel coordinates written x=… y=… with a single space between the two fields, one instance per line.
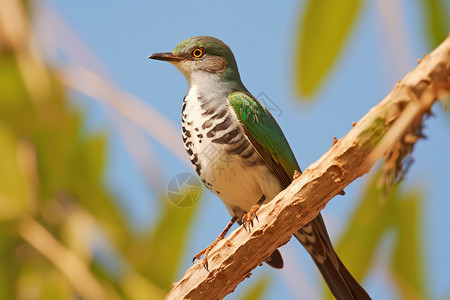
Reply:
x=262 y=35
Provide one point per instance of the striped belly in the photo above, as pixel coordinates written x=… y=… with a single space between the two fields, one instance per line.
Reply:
x=224 y=157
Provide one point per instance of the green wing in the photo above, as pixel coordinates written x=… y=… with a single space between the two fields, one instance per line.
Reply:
x=265 y=135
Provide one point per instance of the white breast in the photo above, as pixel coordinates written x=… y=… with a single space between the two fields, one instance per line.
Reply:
x=239 y=182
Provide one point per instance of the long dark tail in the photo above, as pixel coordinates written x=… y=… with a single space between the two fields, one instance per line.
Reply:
x=314 y=238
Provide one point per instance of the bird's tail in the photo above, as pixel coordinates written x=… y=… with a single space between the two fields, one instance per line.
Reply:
x=340 y=281
x=314 y=238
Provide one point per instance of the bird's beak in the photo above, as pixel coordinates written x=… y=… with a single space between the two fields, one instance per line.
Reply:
x=166 y=56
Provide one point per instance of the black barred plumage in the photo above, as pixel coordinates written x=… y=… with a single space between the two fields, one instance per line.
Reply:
x=189 y=150
x=230 y=137
x=187 y=139
x=220 y=114
x=248 y=153
x=307 y=237
x=209 y=111
x=225 y=124
x=240 y=148
x=218 y=128
x=208 y=123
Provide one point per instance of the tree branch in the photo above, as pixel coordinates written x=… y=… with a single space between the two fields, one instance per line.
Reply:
x=386 y=130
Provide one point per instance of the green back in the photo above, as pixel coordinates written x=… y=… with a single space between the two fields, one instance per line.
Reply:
x=265 y=135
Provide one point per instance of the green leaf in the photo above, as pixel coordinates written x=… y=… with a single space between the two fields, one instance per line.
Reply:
x=365 y=229
x=323 y=30
x=369 y=222
x=14 y=189
x=169 y=242
x=408 y=258
x=136 y=286
x=437 y=16
x=43 y=283
x=375 y=218
x=257 y=290
x=10 y=259
x=158 y=255
x=15 y=103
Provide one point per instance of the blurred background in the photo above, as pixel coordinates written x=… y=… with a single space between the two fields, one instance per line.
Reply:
x=91 y=152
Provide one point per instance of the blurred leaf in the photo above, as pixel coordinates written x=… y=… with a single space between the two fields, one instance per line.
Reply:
x=169 y=240
x=14 y=200
x=364 y=231
x=85 y=181
x=71 y=170
x=54 y=286
x=257 y=290
x=38 y=282
x=9 y=271
x=408 y=257
x=138 y=287
x=437 y=16
x=323 y=30
x=56 y=144
x=15 y=104
x=95 y=149
x=375 y=217
x=158 y=256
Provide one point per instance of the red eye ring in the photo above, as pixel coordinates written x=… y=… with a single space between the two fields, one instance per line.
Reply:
x=197 y=52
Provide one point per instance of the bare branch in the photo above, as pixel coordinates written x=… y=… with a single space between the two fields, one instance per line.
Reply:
x=378 y=133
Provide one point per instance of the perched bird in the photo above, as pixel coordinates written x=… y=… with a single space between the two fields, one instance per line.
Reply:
x=240 y=152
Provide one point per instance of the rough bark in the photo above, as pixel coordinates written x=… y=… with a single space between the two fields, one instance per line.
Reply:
x=389 y=129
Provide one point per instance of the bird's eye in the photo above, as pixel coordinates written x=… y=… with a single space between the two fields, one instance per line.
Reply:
x=197 y=52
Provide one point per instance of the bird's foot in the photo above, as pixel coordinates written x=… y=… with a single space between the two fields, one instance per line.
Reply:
x=204 y=253
x=250 y=216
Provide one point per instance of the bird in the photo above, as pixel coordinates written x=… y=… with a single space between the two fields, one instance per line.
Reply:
x=241 y=154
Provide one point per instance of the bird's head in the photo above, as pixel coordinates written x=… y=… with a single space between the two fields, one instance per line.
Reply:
x=202 y=55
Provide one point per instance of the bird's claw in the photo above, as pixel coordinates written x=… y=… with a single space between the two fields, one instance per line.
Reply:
x=194 y=259
x=250 y=216
x=205 y=264
x=204 y=252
